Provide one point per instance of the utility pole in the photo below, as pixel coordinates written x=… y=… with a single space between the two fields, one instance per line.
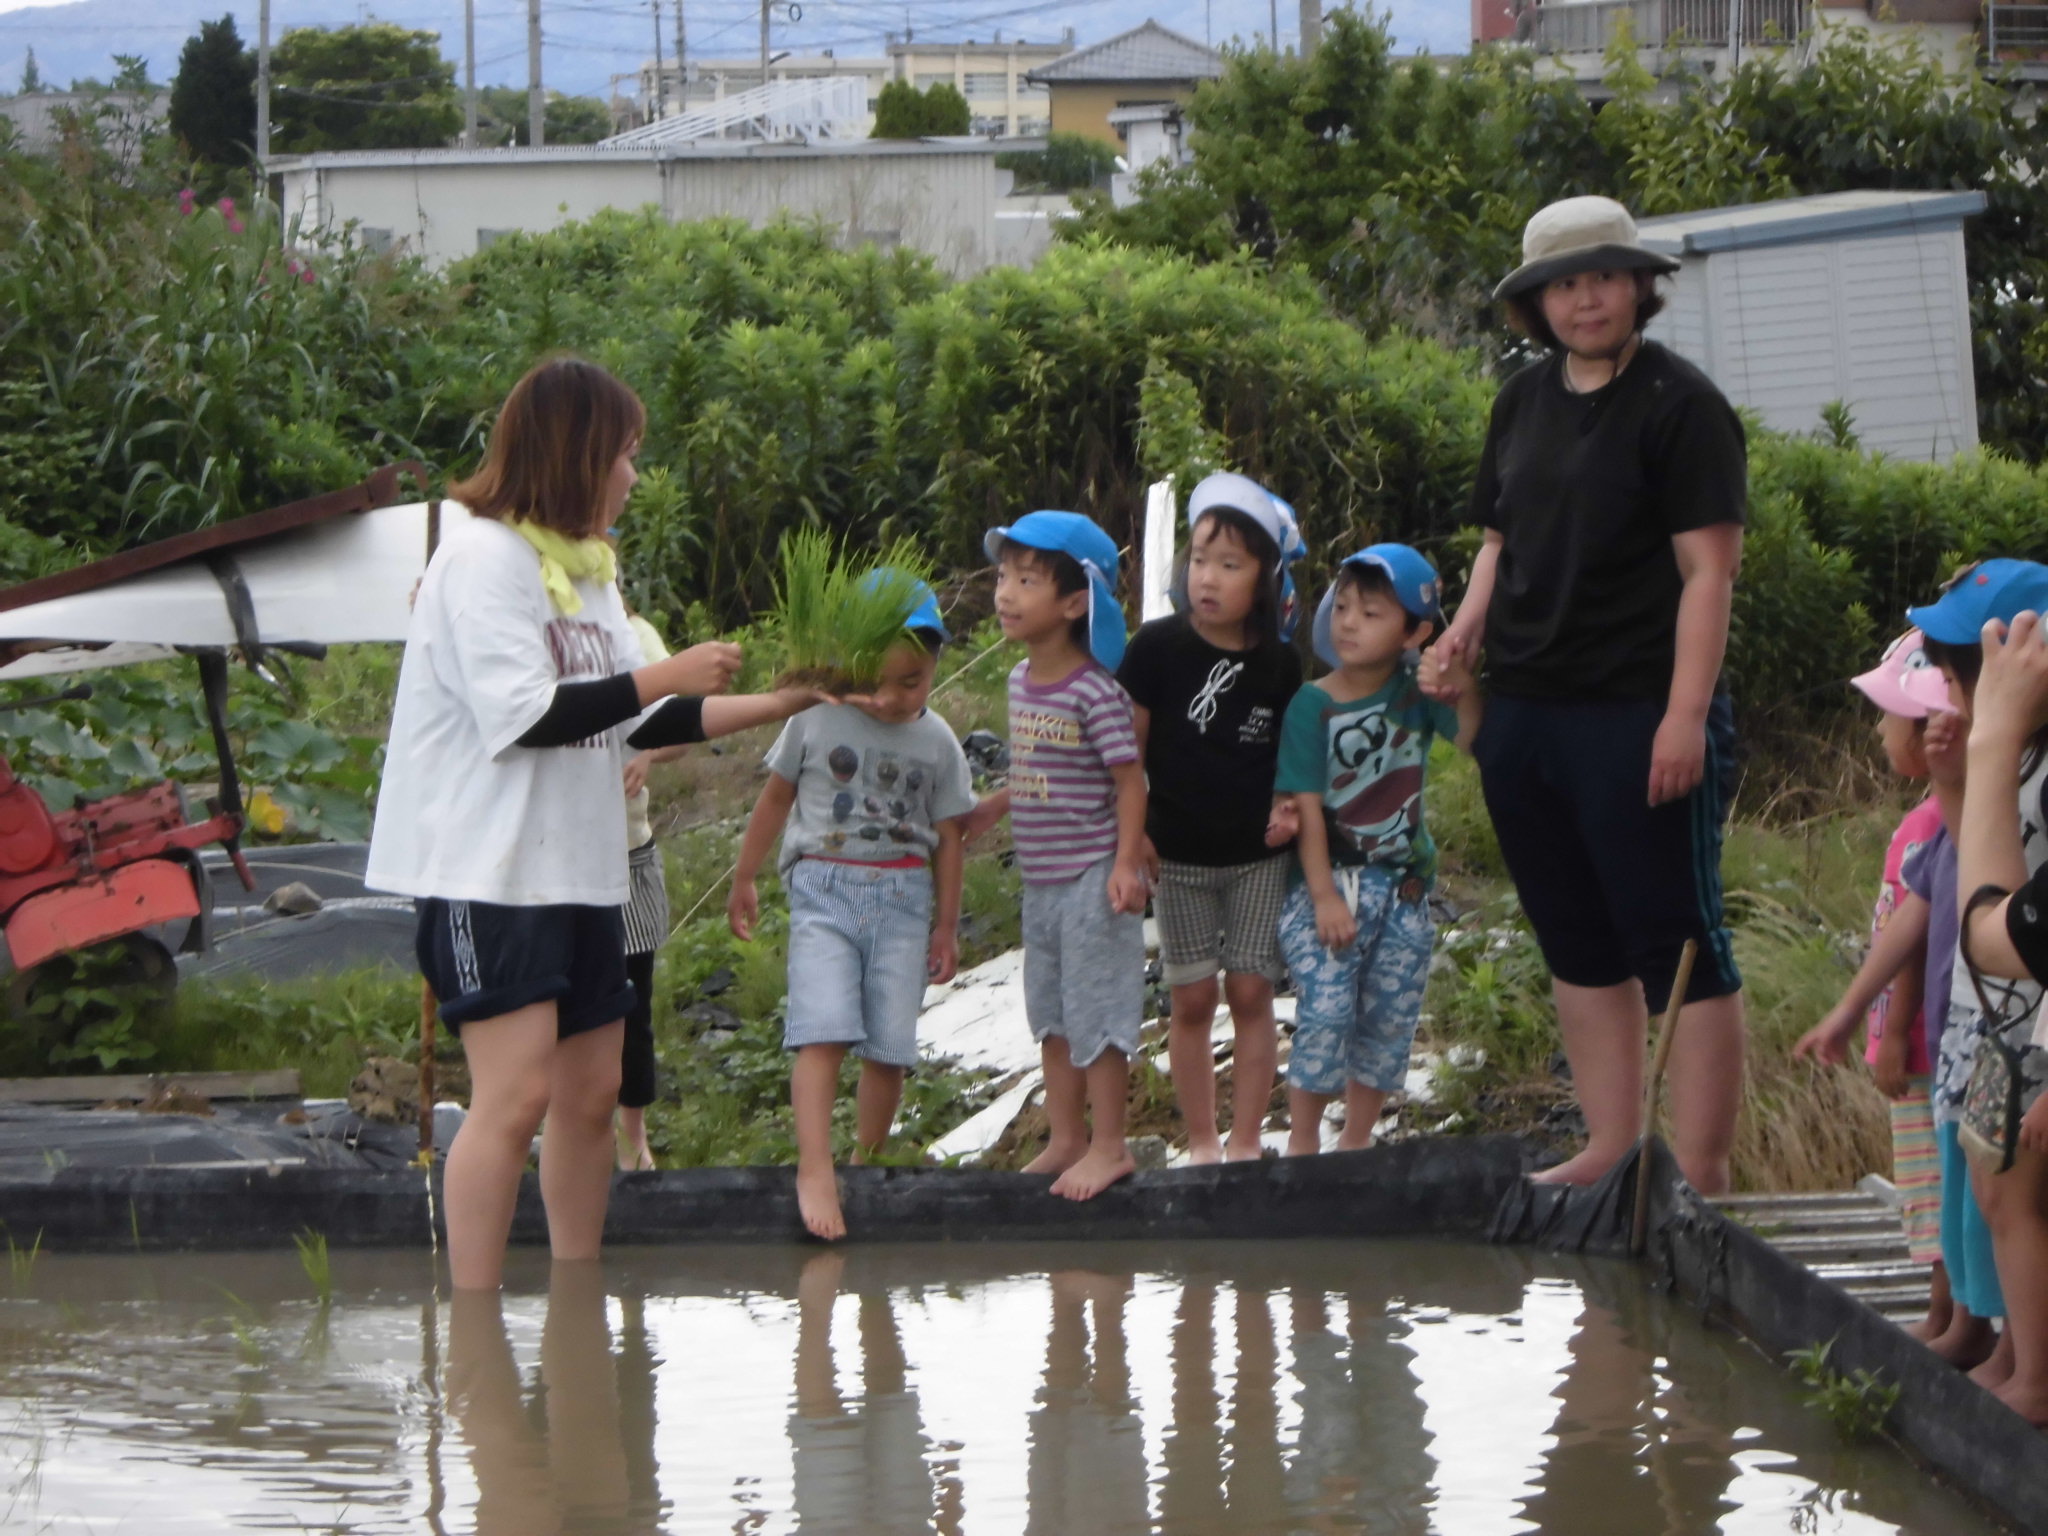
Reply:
x=263 y=85
x=469 y=74
x=764 y=40
x=1311 y=26
x=1273 y=36
x=660 y=95
x=683 y=64
x=536 y=103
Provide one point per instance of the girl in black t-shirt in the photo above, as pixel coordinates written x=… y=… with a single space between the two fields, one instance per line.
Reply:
x=1211 y=684
x=1611 y=489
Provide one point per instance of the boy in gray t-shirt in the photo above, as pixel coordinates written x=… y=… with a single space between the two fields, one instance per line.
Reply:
x=867 y=798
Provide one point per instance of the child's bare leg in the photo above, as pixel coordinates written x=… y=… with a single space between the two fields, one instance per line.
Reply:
x=1193 y=1059
x=1066 y=1108
x=880 y=1092
x=1997 y=1367
x=813 y=1085
x=2022 y=1252
x=634 y=1153
x=1254 y=1059
x=1362 y=1106
x=1940 y=1307
x=1967 y=1340
x=1108 y=1158
x=1305 y=1121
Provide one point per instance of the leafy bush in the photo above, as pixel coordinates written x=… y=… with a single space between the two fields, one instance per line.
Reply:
x=903 y=111
x=1068 y=163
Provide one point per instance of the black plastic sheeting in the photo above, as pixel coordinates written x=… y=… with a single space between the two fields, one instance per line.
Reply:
x=1443 y=1187
x=1952 y=1426
x=354 y=927
x=38 y=1140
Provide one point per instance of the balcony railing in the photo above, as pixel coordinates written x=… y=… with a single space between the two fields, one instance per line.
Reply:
x=1590 y=26
x=2015 y=33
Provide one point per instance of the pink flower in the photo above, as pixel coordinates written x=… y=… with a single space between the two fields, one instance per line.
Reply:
x=306 y=275
x=234 y=225
x=188 y=202
x=227 y=207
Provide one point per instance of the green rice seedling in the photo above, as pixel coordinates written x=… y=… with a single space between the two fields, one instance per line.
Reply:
x=1859 y=1402
x=838 y=618
x=21 y=1261
x=313 y=1260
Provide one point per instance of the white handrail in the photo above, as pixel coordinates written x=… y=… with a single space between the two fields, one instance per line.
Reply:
x=829 y=107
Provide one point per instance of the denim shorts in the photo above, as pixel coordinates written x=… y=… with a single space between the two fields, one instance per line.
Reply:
x=859 y=937
x=1356 y=1008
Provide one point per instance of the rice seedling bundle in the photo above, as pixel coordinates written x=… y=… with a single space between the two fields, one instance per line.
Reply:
x=838 y=616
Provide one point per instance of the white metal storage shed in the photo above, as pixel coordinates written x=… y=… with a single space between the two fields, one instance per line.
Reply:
x=1850 y=296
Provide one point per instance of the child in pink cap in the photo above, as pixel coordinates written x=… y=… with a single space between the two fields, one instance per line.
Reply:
x=1887 y=991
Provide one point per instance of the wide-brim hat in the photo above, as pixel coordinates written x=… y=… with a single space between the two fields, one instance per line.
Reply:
x=1580 y=234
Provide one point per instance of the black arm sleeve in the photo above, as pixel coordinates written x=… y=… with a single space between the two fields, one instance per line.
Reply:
x=2026 y=922
x=676 y=724
x=580 y=711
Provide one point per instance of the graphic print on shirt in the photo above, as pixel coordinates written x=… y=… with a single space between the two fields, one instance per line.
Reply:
x=879 y=798
x=1374 y=800
x=1029 y=730
x=1221 y=679
x=581 y=652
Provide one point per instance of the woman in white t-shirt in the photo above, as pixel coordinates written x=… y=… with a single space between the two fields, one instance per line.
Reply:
x=500 y=810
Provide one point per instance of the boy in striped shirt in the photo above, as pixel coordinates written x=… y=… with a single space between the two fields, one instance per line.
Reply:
x=1076 y=801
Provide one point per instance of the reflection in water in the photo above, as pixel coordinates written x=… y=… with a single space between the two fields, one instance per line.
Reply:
x=1197 y=1390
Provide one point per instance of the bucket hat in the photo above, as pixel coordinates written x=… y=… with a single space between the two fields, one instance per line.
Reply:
x=1415 y=585
x=1069 y=533
x=1579 y=234
x=1241 y=493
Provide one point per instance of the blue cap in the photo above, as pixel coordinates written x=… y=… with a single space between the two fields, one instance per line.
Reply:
x=924 y=603
x=1996 y=589
x=1069 y=533
x=1415 y=585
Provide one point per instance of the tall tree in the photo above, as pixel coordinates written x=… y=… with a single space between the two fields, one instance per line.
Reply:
x=213 y=97
x=378 y=86
x=902 y=111
x=31 y=75
x=501 y=117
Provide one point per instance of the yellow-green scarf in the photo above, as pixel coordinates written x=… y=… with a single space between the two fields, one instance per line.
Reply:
x=563 y=558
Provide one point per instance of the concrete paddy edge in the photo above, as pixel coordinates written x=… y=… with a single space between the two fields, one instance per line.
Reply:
x=1435 y=1187
x=1949 y=1425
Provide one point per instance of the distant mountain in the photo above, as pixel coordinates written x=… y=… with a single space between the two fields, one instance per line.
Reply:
x=586 y=42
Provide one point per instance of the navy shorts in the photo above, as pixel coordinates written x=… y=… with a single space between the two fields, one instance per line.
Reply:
x=484 y=960
x=1612 y=885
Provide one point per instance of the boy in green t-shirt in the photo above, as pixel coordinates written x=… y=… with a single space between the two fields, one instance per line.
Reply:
x=1356 y=931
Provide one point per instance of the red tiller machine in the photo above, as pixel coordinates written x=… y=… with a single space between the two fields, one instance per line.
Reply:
x=334 y=569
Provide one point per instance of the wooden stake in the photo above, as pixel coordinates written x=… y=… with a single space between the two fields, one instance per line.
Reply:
x=1639 y=1229
x=426 y=1072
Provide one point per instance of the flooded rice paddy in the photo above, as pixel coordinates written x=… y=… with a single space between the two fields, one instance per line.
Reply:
x=1197 y=1389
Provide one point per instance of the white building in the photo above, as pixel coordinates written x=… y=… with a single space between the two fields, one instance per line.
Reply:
x=994 y=77
x=936 y=196
x=1852 y=296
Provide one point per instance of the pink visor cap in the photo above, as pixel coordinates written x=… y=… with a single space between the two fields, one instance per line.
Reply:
x=1904 y=682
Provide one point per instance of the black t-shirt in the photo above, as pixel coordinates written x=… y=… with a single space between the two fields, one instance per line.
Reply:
x=1586 y=492
x=2026 y=923
x=1214 y=741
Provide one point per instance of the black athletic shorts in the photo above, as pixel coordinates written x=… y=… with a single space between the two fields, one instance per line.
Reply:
x=484 y=960
x=1612 y=885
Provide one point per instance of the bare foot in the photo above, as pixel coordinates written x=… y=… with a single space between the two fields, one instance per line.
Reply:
x=1346 y=1143
x=2028 y=1400
x=1305 y=1143
x=1996 y=1371
x=1094 y=1173
x=638 y=1159
x=1933 y=1325
x=1967 y=1342
x=1588 y=1167
x=1248 y=1153
x=817 y=1197
x=1056 y=1158
x=1202 y=1153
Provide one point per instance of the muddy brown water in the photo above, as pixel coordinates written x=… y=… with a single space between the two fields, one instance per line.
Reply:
x=1196 y=1389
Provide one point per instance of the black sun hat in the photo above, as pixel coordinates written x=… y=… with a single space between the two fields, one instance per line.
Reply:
x=1580 y=234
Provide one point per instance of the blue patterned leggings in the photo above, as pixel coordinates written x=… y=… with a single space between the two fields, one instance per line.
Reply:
x=1356 y=1008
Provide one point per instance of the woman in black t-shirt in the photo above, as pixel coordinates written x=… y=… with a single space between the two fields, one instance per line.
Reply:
x=1612 y=489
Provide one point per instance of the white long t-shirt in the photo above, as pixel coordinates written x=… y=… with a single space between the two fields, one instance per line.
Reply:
x=464 y=812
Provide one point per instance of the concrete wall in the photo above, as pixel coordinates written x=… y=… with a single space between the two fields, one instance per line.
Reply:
x=1880 y=323
x=442 y=209
x=1085 y=107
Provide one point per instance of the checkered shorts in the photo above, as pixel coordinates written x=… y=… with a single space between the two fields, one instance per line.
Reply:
x=1224 y=918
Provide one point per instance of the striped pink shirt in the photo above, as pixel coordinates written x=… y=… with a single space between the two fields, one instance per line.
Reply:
x=1063 y=742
